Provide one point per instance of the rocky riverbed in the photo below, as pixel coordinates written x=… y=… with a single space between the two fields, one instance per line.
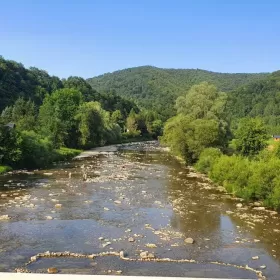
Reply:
x=132 y=210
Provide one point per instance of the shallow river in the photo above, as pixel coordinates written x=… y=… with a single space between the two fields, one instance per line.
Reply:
x=137 y=198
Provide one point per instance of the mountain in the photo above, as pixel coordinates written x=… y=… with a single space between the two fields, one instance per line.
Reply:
x=157 y=88
x=258 y=99
x=16 y=82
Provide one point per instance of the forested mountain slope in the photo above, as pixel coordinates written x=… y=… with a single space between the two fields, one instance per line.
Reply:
x=16 y=82
x=157 y=88
x=258 y=99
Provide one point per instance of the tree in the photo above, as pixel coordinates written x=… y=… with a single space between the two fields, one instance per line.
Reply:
x=10 y=141
x=251 y=136
x=91 y=124
x=131 y=124
x=118 y=118
x=57 y=117
x=199 y=124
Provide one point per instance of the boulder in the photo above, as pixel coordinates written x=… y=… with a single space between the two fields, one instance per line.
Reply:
x=144 y=255
x=189 y=240
x=52 y=270
x=4 y=217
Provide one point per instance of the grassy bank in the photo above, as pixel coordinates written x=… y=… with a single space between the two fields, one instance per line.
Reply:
x=5 y=168
x=253 y=179
x=64 y=153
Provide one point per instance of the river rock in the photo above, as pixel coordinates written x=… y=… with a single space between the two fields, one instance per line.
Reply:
x=144 y=255
x=106 y=209
x=239 y=205
x=48 y=174
x=257 y=204
x=255 y=258
x=117 y=202
x=151 y=245
x=151 y=256
x=33 y=259
x=189 y=240
x=263 y=266
x=259 y=208
x=49 y=217
x=122 y=254
x=4 y=217
x=58 y=206
x=101 y=238
x=4 y=195
x=52 y=270
x=131 y=239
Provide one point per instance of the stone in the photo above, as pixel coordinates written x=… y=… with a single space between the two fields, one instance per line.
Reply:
x=144 y=255
x=151 y=245
x=255 y=258
x=263 y=266
x=4 y=217
x=122 y=254
x=257 y=204
x=189 y=240
x=106 y=209
x=259 y=208
x=117 y=201
x=58 y=206
x=119 y=271
x=239 y=205
x=101 y=238
x=52 y=270
x=131 y=239
x=49 y=217
x=33 y=259
x=48 y=174
x=151 y=256
x=4 y=195
x=106 y=244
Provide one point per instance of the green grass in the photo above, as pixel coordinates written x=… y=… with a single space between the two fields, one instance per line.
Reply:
x=64 y=153
x=5 y=168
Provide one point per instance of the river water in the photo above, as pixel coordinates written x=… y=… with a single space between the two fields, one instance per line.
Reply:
x=135 y=191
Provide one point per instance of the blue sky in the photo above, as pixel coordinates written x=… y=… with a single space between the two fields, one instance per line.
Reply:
x=91 y=37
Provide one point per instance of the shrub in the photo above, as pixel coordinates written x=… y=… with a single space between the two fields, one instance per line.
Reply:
x=5 y=168
x=233 y=172
x=36 y=151
x=207 y=159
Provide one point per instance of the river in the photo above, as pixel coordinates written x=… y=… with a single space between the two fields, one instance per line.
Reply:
x=136 y=198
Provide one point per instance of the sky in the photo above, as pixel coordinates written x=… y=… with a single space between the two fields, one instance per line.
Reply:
x=91 y=37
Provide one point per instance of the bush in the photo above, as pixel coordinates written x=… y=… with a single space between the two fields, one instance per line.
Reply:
x=5 y=168
x=64 y=153
x=36 y=151
x=207 y=159
x=233 y=172
x=263 y=178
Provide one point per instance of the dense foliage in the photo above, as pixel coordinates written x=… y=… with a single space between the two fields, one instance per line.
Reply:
x=199 y=124
x=43 y=116
x=257 y=99
x=236 y=157
x=157 y=89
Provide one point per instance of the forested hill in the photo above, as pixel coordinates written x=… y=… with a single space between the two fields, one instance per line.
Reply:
x=258 y=99
x=158 y=88
x=32 y=83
